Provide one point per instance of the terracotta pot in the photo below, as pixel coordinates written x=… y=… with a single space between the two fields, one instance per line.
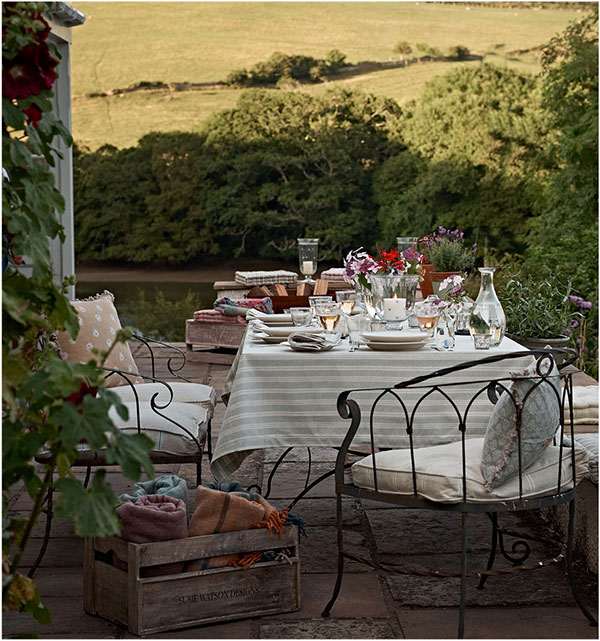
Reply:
x=438 y=277
x=425 y=285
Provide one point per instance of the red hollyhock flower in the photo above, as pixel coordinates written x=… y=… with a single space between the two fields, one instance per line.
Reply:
x=77 y=397
x=29 y=73
x=33 y=114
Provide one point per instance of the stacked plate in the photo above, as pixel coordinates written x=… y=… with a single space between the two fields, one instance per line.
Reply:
x=275 y=320
x=279 y=333
x=389 y=341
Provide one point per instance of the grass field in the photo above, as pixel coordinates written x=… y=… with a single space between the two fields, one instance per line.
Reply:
x=126 y=42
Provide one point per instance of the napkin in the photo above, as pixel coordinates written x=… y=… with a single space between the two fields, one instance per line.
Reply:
x=585 y=405
x=303 y=342
x=252 y=314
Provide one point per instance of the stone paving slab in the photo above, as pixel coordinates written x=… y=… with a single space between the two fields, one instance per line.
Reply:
x=497 y=623
x=360 y=596
x=322 y=511
x=408 y=531
x=318 y=550
x=546 y=586
x=350 y=629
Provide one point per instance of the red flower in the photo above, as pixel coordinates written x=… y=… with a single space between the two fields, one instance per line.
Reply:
x=33 y=114
x=29 y=73
x=77 y=397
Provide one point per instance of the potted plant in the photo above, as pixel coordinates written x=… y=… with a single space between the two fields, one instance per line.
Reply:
x=542 y=311
x=448 y=255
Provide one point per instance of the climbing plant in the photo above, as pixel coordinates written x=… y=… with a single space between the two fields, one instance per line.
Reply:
x=46 y=402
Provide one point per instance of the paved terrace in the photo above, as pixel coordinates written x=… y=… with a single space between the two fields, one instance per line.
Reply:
x=534 y=604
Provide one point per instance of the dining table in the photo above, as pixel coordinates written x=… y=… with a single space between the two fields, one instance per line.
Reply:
x=279 y=398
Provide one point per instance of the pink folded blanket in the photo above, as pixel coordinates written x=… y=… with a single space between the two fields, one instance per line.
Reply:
x=154 y=517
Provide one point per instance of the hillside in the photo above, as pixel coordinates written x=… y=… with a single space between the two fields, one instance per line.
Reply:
x=123 y=43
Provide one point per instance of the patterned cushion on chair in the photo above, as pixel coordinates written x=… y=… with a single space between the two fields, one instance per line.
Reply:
x=168 y=437
x=203 y=395
x=98 y=327
x=439 y=473
x=540 y=420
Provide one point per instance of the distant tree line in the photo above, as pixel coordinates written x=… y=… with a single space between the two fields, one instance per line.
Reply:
x=511 y=159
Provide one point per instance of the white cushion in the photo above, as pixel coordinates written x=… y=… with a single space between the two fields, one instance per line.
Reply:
x=439 y=473
x=203 y=395
x=167 y=437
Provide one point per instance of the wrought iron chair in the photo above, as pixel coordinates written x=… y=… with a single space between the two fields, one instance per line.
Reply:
x=176 y=415
x=453 y=476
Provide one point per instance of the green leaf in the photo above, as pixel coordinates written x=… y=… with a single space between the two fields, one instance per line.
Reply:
x=93 y=511
x=19 y=153
x=12 y=115
x=131 y=452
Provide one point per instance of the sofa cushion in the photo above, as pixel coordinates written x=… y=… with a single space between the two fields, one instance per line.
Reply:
x=203 y=395
x=539 y=422
x=439 y=473
x=98 y=327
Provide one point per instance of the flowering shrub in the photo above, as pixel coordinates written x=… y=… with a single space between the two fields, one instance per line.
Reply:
x=447 y=251
x=45 y=401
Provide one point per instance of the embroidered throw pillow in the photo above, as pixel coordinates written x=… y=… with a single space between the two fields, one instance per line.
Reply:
x=98 y=327
x=540 y=420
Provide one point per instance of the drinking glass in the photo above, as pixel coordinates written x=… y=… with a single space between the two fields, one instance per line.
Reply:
x=318 y=300
x=328 y=315
x=428 y=316
x=307 y=257
x=357 y=324
x=347 y=299
x=301 y=316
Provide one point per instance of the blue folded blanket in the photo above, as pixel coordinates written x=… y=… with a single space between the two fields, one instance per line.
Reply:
x=168 y=484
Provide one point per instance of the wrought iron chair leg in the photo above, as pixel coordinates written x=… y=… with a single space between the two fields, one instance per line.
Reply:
x=574 y=589
x=42 y=552
x=494 y=519
x=199 y=473
x=463 y=575
x=340 y=541
x=209 y=439
x=88 y=473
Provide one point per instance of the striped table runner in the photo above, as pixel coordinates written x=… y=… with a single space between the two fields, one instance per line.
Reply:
x=281 y=398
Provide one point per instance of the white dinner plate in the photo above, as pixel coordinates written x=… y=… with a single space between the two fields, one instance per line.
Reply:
x=287 y=330
x=273 y=340
x=276 y=319
x=394 y=337
x=387 y=346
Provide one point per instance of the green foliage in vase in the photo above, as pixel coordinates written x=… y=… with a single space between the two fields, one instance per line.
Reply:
x=46 y=402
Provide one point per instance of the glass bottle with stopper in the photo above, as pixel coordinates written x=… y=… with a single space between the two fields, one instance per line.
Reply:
x=307 y=257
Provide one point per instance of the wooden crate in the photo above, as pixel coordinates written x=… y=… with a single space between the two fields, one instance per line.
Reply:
x=155 y=604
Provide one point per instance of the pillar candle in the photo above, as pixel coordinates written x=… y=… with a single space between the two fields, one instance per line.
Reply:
x=308 y=267
x=394 y=309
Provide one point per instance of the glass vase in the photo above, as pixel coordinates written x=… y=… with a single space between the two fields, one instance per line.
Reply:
x=411 y=282
x=387 y=300
x=487 y=315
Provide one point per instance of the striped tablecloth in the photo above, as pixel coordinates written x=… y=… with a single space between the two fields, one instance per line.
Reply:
x=281 y=398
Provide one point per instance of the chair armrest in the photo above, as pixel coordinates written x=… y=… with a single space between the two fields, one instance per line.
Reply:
x=179 y=356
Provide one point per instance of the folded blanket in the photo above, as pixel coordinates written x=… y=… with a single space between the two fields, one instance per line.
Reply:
x=589 y=443
x=585 y=405
x=334 y=273
x=266 y=277
x=304 y=342
x=213 y=316
x=169 y=485
x=153 y=517
x=232 y=510
x=230 y=307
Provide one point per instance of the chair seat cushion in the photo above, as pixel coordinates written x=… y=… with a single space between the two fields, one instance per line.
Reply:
x=203 y=395
x=168 y=437
x=439 y=473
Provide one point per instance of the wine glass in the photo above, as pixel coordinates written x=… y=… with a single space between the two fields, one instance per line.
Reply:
x=307 y=257
x=328 y=315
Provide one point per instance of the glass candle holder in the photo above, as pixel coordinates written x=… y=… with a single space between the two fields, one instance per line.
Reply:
x=307 y=257
x=387 y=300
